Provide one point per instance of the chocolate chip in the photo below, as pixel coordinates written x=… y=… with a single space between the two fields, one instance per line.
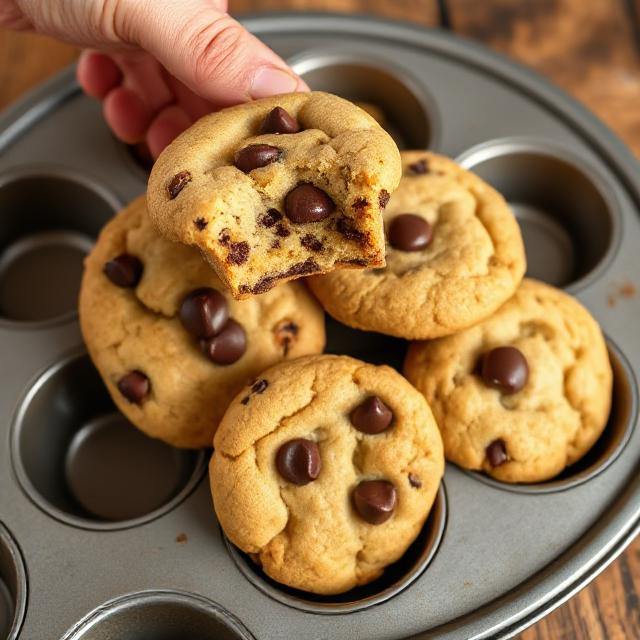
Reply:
x=414 y=481
x=360 y=203
x=311 y=243
x=347 y=228
x=374 y=500
x=420 y=167
x=255 y=156
x=285 y=333
x=238 y=253
x=224 y=237
x=134 y=386
x=278 y=120
x=204 y=313
x=178 y=183
x=124 y=271
x=228 y=346
x=358 y=262
x=505 y=369
x=383 y=198
x=298 y=461
x=282 y=231
x=409 y=232
x=270 y=218
x=201 y=224
x=307 y=203
x=268 y=282
x=497 y=453
x=372 y=416
x=259 y=386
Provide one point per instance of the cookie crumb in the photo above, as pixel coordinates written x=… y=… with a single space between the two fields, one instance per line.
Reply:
x=182 y=538
x=624 y=290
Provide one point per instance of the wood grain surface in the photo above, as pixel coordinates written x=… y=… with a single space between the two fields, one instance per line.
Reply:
x=591 y=48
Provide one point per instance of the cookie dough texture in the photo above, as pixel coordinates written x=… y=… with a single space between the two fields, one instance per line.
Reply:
x=139 y=329
x=549 y=424
x=309 y=537
x=221 y=210
x=472 y=265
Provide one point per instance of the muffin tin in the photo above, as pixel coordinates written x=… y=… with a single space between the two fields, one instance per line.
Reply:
x=106 y=533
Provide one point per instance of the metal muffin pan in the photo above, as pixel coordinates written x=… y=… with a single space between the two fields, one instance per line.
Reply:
x=137 y=553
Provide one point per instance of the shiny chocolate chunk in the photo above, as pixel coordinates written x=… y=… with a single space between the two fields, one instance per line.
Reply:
x=278 y=120
x=204 y=312
x=415 y=481
x=124 y=270
x=134 y=386
x=226 y=347
x=409 y=232
x=497 y=453
x=372 y=416
x=306 y=203
x=375 y=500
x=178 y=183
x=298 y=461
x=255 y=156
x=505 y=369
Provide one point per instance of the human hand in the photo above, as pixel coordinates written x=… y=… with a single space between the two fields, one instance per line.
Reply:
x=157 y=65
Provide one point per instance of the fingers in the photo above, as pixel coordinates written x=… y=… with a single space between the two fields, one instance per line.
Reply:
x=127 y=115
x=212 y=53
x=97 y=74
x=168 y=124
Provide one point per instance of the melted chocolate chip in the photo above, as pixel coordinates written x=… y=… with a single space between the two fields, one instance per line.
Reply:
x=255 y=156
x=415 y=481
x=238 y=253
x=124 y=271
x=409 y=232
x=282 y=231
x=372 y=416
x=420 y=167
x=275 y=244
x=306 y=203
x=358 y=262
x=201 y=224
x=228 y=346
x=505 y=369
x=204 y=313
x=298 y=461
x=360 y=203
x=268 y=282
x=374 y=500
x=178 y=183
x=134 y=386
x=383 y=198
x=311 y=243
x=270 y=218
x=285 y=333
x=497 y=453
x=224 y=237
x=278 y=120
x=346 y=227
x=259 y=386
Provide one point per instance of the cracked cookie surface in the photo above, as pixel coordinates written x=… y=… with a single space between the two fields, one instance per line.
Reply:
x=306 y=529
x=249 y=200
x=153 y=367
x=442 y=276
x=559 y=406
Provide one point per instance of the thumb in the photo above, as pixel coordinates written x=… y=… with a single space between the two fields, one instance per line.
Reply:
x=211 y=53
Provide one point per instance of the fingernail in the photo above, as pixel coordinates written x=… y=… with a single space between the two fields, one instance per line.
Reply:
x=271 y=81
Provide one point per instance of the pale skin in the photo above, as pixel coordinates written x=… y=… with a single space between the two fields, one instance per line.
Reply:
x=157 y=65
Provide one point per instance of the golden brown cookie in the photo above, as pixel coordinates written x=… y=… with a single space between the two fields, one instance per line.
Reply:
x=278 y=188
x=326 y=469
x=454 y=255
x=523 y=394
x=172 y=361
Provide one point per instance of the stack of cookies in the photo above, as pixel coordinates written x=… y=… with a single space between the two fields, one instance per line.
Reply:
x=325 y=468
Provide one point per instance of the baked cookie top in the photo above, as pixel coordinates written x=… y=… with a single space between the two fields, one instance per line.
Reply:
x=172 y=361
x=326 y=471
x=523 y=394
x=454 y=255
x=277 y=188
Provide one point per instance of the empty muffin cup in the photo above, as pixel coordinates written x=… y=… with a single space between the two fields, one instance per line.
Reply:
x=391 y=95
x=82 y=462
x=394 y=580
x=49 y=218
x=160 y=615
x=610 y=444
x=567 y=210
x=13 y=587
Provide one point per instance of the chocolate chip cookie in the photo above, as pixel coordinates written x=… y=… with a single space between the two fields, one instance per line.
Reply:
x=277 y=189
x=454 y=255
x=325 y=469
x=525 y=393
x=172 y=346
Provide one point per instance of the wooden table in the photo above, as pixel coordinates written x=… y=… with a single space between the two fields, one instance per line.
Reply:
x=591 y=48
